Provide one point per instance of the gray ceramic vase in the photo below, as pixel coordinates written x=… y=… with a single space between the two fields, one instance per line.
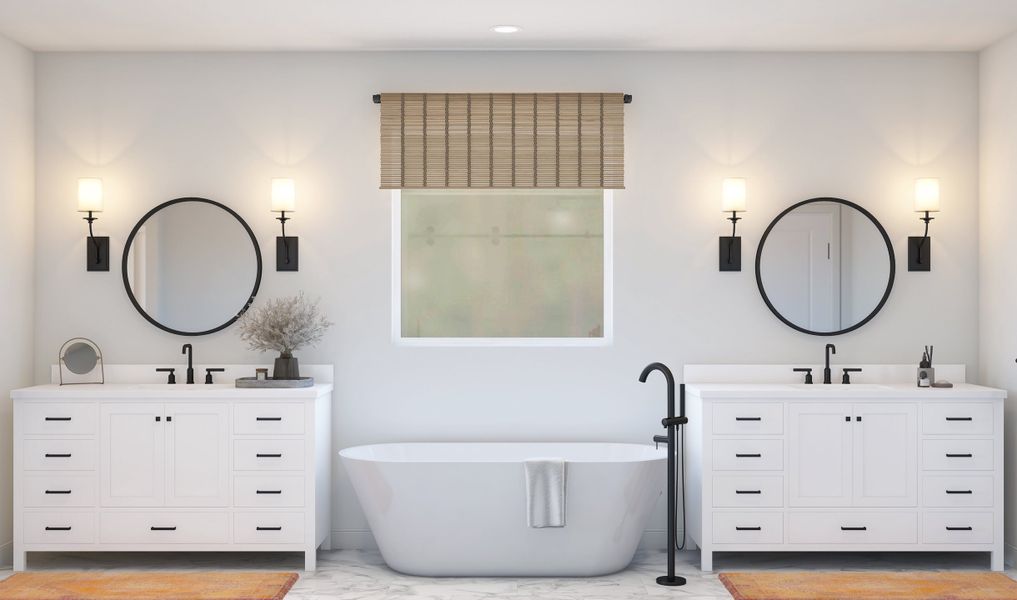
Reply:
x=286 y=367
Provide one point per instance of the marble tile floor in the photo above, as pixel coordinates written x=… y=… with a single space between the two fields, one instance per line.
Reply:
x=362 y=575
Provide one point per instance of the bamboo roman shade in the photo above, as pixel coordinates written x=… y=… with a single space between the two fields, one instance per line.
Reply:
x=548 y=140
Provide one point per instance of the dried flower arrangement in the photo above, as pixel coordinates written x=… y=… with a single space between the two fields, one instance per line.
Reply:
x=284 y=325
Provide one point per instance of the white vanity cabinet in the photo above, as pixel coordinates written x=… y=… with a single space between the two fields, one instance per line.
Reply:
x=171 y=468
x=842 y=468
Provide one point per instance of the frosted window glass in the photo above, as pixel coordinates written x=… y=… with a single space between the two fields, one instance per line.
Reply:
x=502 y=263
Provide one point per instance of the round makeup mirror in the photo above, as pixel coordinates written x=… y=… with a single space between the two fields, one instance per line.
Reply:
x=80 y=361
x=192 y=266
x=825 y=266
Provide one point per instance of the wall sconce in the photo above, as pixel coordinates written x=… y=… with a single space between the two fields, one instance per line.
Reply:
x=284 y=200
x=90 y=201
x=732 y=201
x=926 y=201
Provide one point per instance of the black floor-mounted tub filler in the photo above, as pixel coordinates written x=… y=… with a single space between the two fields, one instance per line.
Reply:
x=672 y=423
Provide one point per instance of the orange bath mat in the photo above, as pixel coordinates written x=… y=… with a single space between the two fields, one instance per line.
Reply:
x=870 y=586
x=231 y=585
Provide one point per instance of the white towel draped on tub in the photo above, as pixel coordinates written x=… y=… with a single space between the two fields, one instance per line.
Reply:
x=545 y=492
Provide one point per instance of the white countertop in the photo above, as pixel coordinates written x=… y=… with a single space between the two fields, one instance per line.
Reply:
x=965 y=391
x=162 y=391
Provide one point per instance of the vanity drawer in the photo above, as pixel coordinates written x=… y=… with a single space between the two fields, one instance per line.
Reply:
x=748 y=455
x=265 y=418
x=748 y=527
x=748 y=418
x=949 y=491
x=853 y=528
x=58 y=489
x=122 y=527
x=58 y=527
x=51 y=418
x=268 y=528
x=58 y=455
x=268 y=491
x=745 y=491
x=957 y=528
x=268 y=455
x=957 y=455
x=958 y=418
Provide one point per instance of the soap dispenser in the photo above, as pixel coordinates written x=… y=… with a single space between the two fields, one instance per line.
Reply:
x=926 y=372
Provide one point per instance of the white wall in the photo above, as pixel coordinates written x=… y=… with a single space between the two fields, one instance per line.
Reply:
x=862 y=127
x=998 y=247
x=17 y=249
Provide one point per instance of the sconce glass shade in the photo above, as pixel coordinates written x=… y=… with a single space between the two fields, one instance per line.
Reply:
x=89 y=194
x=733 y=195
x=927 y=195
x=284 y=195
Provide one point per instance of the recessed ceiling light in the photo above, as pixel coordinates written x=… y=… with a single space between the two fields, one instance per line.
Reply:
x=505 y=29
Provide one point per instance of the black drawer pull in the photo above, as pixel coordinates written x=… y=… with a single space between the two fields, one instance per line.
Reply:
x=58 y=418
x=50 y=455
x=58 y=528
x=948 y=455
x=854 y=528
x=748 y=455
x=259 y=455
x=58 y=491
x=268 y=528
x=268 y=418
x=748 y=418
x=958 y=491
x=748 y=528
x=164 y=528
x=748 y=491
x=948 y=528
x=268 y=492
x=959 y=419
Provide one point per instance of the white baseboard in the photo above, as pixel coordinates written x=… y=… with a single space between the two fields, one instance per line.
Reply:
x=353 y=539
x=362 y=539
x=7 y=554
x=1009 y=555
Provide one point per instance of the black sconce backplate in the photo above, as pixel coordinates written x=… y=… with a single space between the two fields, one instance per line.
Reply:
x=281 y=243
x=730 y=253
x=97 y=245
x=919 y=253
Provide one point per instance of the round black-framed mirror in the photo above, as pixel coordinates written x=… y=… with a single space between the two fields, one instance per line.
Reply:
x=187 y=267
x=825 y=272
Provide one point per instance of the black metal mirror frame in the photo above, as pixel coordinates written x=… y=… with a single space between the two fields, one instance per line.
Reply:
x=127 y=251
x=889 y=249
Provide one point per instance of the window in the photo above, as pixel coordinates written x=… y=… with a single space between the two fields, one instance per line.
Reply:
x=502 y=267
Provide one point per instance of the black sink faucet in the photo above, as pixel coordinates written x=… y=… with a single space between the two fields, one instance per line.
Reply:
x=189 y=351
x=827 y=374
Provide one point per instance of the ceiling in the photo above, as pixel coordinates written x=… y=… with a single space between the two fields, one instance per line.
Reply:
x=149 y=25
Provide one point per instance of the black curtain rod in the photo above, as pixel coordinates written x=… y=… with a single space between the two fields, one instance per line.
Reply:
x=627 y=98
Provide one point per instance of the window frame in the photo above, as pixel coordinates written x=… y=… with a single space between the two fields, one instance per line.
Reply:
x=561 y=342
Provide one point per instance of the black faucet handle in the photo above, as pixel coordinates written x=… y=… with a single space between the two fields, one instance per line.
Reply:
x=807 y=371
x=209 y=371
x=847 y=374
x=172 y=374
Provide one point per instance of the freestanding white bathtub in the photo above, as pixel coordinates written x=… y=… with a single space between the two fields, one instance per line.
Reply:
x=459 y=509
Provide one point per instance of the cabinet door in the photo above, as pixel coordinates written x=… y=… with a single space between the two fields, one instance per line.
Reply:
x=820 y=455
x=885 y=454
x=197 y=465
x=133 y=450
